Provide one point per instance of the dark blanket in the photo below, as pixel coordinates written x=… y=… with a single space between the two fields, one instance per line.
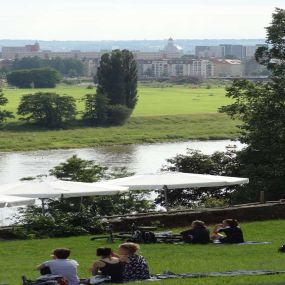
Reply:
x=170 y=275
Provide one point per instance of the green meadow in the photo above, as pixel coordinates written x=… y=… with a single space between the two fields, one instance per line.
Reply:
x=162 y=114
x=20 y=257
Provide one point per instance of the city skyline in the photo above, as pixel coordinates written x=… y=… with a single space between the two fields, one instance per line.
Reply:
x=133 y=20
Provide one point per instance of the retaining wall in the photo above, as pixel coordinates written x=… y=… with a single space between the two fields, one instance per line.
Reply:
x=209 y=216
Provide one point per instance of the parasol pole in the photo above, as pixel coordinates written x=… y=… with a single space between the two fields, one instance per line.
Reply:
x=165 y=189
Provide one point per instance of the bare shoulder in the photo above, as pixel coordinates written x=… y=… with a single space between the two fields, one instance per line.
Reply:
x=98 y=263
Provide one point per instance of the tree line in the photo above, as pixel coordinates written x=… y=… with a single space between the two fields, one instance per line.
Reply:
x=115 y=98
x=70 y=67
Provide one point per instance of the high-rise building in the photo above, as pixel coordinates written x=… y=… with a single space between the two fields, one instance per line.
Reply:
x=210 y=51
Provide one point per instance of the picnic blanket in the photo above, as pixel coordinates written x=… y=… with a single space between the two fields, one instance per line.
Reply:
x=244 y=243
x=171 y=275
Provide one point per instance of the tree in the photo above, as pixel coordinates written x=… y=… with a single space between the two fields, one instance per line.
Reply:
x=117 y=87
x=4 y=114
x=96 y=108
x=80 y=170
x=260 y=107
x=47 y=109
x=130 y=79
x=66 y=66
x=38 y=78
x=273 y=56
x=219 y=163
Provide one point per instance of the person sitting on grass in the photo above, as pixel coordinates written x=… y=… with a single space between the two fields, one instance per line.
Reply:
x=198 y=234
x=61 y=265
x=135 y=266
x=108 y=265
x=232 y=231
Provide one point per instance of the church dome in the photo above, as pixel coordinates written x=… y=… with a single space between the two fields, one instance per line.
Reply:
x=171 y=47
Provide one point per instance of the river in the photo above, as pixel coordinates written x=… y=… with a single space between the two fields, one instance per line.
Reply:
x=141 y=159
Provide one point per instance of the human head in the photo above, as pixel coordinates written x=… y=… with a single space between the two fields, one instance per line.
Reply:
x=281 y=248
x=230 y=223
x=198 y=224
x=104 y=251
x=128 y=248
x=61 y=253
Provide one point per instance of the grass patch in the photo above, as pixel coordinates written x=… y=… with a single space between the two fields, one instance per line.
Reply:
x=21 y=257
x=152 y=101
x=17 y=137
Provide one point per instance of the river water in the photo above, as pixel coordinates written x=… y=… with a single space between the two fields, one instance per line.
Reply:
x=141 y=159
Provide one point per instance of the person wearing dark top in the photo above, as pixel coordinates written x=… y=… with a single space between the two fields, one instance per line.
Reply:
x=231 y=230
x=198 y=234
x=108 y=265
x=135 y=266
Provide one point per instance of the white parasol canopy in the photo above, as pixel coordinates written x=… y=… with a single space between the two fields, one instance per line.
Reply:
x=14 y=201
x=175 y=180
x=57 y=189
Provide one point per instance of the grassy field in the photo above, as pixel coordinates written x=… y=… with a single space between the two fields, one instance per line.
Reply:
x=176 y=100
x=21 y=257
x=162 y=114
x=137 y=130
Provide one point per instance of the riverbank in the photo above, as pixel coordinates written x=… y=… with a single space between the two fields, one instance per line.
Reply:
x=163 y=114
x=210 y=126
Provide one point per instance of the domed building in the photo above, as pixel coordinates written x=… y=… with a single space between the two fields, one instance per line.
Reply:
x=171 y=50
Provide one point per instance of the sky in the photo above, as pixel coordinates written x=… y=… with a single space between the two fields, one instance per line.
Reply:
x=135 y=19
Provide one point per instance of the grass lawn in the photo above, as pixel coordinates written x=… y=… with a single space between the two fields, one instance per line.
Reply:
x=162 y=114
x=21 y=257
x=137 y=130
x=176 y=100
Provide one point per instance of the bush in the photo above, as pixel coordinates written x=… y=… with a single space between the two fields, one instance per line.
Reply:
x=212 y=202
x=11 y=233
x=34 y=78
x=118 y=114
x=61 y=219
x=47 y=109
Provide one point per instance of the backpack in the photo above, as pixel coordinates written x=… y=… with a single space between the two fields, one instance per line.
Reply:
x=149 y=237
x=282 y=248
x=143 y=237
x=48 y=279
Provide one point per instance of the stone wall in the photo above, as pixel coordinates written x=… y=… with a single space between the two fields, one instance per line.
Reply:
x=245 y=213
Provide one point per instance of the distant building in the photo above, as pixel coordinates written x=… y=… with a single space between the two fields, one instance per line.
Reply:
x=170 y=51
x=211 y=61
x=228 y=67
x=233 y=51
x=14 y=52
x=167 y=68
x=210 y=51
x=226 y=51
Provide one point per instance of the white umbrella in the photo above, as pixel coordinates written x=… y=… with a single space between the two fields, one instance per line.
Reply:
x=57 y=189
x=81 y=189
x=14 y=201
x=175 y=180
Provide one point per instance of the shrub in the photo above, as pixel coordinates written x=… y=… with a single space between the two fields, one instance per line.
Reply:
x=34 y=78
x=61 y=219
x=118 y=114
x=47 y=109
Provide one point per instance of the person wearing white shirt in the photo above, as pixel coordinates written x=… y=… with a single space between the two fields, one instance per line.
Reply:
x=61 y=265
